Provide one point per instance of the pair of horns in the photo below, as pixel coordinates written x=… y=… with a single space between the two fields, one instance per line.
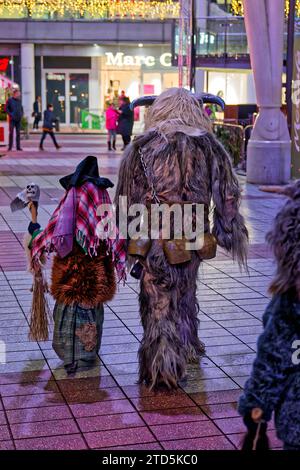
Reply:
x=202 y=98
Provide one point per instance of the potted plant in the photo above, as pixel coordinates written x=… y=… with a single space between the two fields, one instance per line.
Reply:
x=25 y=127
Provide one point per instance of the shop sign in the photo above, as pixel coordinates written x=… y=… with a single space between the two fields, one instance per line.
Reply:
x=120 y=60
x=56 y=76
x=90 y=120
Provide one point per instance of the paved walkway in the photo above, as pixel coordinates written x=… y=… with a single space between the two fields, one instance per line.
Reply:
x=40 y=408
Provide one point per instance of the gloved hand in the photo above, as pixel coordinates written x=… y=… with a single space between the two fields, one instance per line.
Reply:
x=256 y=437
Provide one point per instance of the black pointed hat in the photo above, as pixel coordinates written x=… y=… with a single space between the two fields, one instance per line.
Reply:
x=87 y=170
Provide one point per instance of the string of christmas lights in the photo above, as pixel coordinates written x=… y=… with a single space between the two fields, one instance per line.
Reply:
x=238 y=9
x=91 y=8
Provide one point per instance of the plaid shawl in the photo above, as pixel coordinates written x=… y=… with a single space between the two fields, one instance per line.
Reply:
x=88 y=198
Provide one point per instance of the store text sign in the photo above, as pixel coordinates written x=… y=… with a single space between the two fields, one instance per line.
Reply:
x=120 y=60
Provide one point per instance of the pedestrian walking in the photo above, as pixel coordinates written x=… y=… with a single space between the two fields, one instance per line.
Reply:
x=37 y=112
x=111 y=122
x=15 y=112
x=48 y=126
x=125 y=122
x=274 y=384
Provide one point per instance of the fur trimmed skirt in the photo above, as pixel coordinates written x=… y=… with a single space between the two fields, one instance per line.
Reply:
x=82 y=279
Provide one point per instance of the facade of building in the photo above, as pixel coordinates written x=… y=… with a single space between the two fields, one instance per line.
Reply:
x=81 y=70
x=78 y=63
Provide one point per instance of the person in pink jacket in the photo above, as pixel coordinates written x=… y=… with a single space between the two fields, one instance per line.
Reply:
x=111 y=121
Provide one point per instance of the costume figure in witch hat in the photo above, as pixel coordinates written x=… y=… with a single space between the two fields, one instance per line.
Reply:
x=177 y=159
x=83 y=274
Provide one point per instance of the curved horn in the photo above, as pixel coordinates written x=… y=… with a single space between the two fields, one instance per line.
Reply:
x=143 y=101
x=209 y=98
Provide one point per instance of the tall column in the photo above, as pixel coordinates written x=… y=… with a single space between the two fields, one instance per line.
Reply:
x=199 y=81
x=27 y=78
x=269 y=149
x=95 y=104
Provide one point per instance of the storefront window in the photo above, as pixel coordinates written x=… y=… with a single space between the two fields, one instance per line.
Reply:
x=136 y=72
x=234 y=87
x=79 y=95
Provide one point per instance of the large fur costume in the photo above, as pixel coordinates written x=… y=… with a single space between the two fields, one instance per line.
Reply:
x=186 y=163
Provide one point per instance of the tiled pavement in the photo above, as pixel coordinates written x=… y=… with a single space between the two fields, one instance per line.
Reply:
x=40 y=408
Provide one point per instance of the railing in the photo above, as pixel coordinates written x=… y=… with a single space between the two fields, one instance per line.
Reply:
x=218 y=37
x=235 y=139
x=247 y=135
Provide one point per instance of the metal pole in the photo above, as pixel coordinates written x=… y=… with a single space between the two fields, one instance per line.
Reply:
x=193 y=48
x=290 y=61
x=12 y=68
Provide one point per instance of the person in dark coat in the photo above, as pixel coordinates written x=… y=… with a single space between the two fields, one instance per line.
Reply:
x=125 y=122
x=48 y=126
x=274 y=384
x=37 y=112
x=15 y=112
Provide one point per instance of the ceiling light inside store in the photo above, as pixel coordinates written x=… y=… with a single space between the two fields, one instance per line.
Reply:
x=141 y=45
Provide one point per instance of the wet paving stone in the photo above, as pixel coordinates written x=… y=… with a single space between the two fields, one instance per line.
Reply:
x=105 y=407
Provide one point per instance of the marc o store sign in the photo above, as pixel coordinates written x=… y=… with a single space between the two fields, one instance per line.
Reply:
x=120 y=60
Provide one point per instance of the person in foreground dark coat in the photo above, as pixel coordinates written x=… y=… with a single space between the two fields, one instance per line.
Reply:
x=274 y=384
x=15 y=112
x=48 y=126
x=125 y=122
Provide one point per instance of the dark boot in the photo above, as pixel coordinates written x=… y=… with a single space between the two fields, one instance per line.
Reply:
x=114 y=144
x=109 y=146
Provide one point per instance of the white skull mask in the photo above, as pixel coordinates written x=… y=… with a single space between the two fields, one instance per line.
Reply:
x=32 y=192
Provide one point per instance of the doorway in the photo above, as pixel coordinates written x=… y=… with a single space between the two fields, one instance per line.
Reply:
x=68 y=91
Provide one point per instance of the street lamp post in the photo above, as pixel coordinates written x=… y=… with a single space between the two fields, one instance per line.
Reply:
x=290 y=61
x=193 y=46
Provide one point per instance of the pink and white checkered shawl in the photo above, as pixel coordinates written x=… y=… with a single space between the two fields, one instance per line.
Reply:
x=76 y=218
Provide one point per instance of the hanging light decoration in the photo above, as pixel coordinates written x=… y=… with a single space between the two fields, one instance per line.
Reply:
x=238 y=9
x=112 y=9
x=287 y=8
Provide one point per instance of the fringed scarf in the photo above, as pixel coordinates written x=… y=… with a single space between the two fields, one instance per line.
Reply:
x=76 y=218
